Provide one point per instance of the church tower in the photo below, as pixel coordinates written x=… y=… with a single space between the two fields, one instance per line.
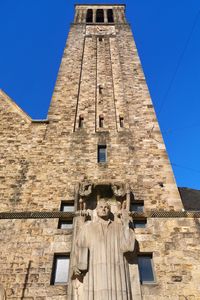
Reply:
x=101 y=142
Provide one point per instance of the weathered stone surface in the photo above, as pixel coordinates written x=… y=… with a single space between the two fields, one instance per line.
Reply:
x=42 y=163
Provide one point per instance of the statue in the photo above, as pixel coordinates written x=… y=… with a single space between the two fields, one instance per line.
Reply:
x=2 y=293
x=100 y=263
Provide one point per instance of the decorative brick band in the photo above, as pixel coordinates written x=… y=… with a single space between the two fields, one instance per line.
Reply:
x=70 y=215
x=173 y=214
x=166 y=214
x=37 y=215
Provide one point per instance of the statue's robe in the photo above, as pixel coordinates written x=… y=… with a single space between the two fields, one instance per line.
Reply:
x=2 y=293
x=100 y=252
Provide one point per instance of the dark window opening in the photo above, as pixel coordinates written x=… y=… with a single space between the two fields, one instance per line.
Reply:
x=100 y=16
x=121 y=122
x=101 y=153
x=66 y=206
x=80 y=122
x=100 y=39
x=145 y=266
x=89 y=17
x=110 y=16
x=65 y=224
x=60 y=269
x=139 y=223
x=101 y=121
x=137 y=206
x=100 y=89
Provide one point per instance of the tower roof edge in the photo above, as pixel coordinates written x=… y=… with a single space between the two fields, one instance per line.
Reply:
x=96 y=4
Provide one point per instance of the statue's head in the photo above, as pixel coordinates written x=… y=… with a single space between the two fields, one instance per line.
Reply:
x=103 y=209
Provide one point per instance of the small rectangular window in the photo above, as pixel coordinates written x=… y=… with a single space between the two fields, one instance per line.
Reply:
x=139 y=223
x=101 y=153
x=60 y=269
x=137 y=206
x=80 y=122
x=67 y=206
x=121 y=122
x=101 y=121
x=145 y=266
x=65 y=224
x=100 y=89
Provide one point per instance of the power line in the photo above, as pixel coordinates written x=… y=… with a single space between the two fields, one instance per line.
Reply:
x=181 y=128
x=185 y=167
x=178 y=63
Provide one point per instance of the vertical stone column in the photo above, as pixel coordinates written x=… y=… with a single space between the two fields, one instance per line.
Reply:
x=81 y=16
x=76 y=16
x=84 y=15
x=119 y=13
x=105 y=16
x=122 y=15
x=94 y=15
x=115 y=15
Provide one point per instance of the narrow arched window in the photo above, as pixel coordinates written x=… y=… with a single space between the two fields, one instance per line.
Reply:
x=121 y=121
x=101 y=121
x=110 y=16
x=89 y=17
x=100 y=16
x=80 y=122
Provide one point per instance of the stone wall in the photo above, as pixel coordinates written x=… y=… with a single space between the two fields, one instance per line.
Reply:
x=173 y=243
x=42 y=163
x=28 y=247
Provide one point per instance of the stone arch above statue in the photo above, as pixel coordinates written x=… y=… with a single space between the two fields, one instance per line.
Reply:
x=117 y=194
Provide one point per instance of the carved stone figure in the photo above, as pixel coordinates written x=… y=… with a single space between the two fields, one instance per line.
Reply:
x=118 y=190
x=2 y=293
x=85 y=189
x=100 y=263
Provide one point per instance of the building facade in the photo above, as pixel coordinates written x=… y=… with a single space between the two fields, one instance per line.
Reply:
x=101 y=140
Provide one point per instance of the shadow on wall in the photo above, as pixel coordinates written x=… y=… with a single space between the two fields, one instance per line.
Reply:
x=26 y=280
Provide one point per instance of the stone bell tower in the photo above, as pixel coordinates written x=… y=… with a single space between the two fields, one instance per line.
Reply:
x=89 y=205
x=101 y=101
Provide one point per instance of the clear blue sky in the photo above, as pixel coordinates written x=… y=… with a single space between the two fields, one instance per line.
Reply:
x=33 y=35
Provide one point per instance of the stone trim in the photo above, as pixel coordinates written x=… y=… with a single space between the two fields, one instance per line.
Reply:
x=37 y=215
x=43 y=121
x=70 y=215
x=166 y=214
